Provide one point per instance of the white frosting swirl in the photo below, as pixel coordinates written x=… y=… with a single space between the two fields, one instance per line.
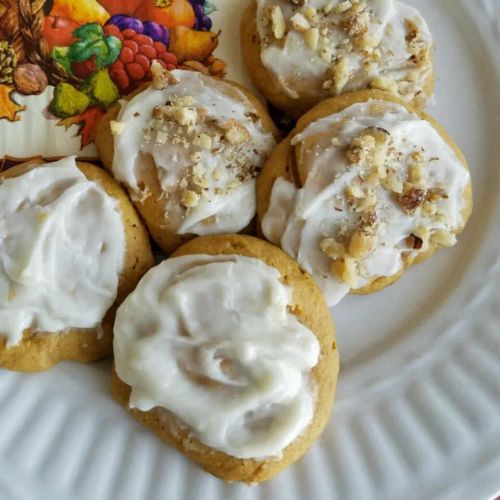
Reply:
x=209 y=338
x=62 y=245
x=298 y=220
x=226 y=201
x=302 y=69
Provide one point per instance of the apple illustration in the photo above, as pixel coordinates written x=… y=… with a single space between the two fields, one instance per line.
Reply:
x=58 y=31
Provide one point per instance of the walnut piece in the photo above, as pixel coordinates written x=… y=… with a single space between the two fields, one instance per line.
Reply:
x=235 y=132
x=299 y=22
x=162 y=78
x=340 y=74
x=189 y=199
x=411 y=198
x=384 y=83
x=362 y=243
x=332 y=248
x=443 y=238
x=278 y=26
x=415 y=43
x=359 y=149
x=311 y=36
x=392 y=183
x=117 y=127
x=203 y=141
x=345 y=270
x=356 y=24
x=339 y=8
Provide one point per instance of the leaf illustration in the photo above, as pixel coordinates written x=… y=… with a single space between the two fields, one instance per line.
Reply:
x=8 y=107
x=86 y=122
x=209 y=8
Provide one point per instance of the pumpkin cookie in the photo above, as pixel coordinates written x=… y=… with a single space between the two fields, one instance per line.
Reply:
x=364 y=187
x=240 y=378
x=188 y=150
x=299 y=53
x=71 y=248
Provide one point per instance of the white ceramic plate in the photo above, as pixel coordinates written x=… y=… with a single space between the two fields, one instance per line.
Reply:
x=418 y=408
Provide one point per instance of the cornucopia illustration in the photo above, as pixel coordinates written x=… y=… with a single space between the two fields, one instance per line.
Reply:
x=88 y=53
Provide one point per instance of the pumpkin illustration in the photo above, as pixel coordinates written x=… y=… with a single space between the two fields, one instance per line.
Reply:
x=177 y=13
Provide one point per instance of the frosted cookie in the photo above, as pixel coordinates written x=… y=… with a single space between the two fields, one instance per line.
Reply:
x=71 y=248
x=300 y=52
x=227 y=352
x=188 y=150
x=363 y=188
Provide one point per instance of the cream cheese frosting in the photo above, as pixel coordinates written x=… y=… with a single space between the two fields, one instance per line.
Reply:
x=209 y=339
x=379 y=185
x=318 y=48
x=205 y=142
x=62 y=245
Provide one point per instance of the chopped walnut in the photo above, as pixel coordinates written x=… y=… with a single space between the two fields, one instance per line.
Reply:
x=326 y=54
x=185 y=116
x=311 y=36
x=203 y=141
x=366 y=203
x=356 y=24
x=367 y=42
x=415 y=43
x=339 y=72
x=382 y=137
x=190 y=199
x=332 y=248
x=443 y=238
x=392 y=183
x=278 y=26
x=411 y=198
x=345 y=270
x=176 y=112
x=358 y=5
x=353 y=192
x=359 y=149
x=416 y=173
x=429 y=209
x=196 y=157
x=299 y=22
x=436 y=194
x=340 y=8
x=368 y=219
x=117 y=127
x=161 y=136
x=384 y=83
x=235 y=132
x=162 y=78
x=311 y=14
x=362 y=243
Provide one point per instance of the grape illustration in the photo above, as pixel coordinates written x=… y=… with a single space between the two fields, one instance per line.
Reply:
x=201 y=9
x=132 y=68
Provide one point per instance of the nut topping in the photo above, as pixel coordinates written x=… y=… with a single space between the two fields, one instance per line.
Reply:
x=278 y=26
x=235 y=132
x=162 y=78
x=411 y=199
